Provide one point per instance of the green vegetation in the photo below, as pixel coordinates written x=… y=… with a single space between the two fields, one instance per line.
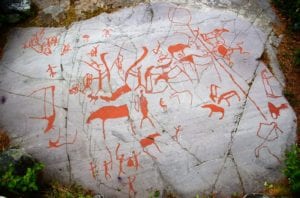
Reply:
x=292 y=168
x=291 y=9
x=16 y=183
x=279 y=189
x=212 y=195
x=154 y=194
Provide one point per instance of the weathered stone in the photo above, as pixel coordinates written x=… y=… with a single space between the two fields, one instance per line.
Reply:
x=13 y=11
x=52 y=10
x=82 y=7
x=44 y=4
x=15 y=5
x=160 y=96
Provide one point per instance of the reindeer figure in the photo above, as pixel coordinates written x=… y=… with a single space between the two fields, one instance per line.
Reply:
x=148 y=141
x=225 y=96
x=214 y=109
x=108 y=112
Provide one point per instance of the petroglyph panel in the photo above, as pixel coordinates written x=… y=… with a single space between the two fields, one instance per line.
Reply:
x=148 y=98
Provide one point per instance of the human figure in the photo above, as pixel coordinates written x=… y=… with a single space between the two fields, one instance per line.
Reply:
x=93 y=170
x=94 y=51
x=133 y=161
x=46 y=50
x=87 y=81
x=66 y=48
x=74 y=89
x=51 y=70
x=36 y=42
x=163 y=105
x=108 y=164
x=52 y=41
x=144 y=109
x=131 y=189
x=102 y=69
x=148 y=79
x=120 y=158
x=178 y=129
x=139 y=79
x=213 y=92
x=119 y=64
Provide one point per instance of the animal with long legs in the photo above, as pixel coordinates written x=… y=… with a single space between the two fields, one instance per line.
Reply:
x=224 y=96
x=109 y=112
x=148 y=141
x=214 y=109
x=227 y=95
x=275 y=111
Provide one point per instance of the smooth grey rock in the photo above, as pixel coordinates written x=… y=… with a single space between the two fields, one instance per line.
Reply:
x=159 y=96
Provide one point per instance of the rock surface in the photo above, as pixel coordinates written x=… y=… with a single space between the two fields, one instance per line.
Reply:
x=15 y=5
x=14 y=11
x=156 y=97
